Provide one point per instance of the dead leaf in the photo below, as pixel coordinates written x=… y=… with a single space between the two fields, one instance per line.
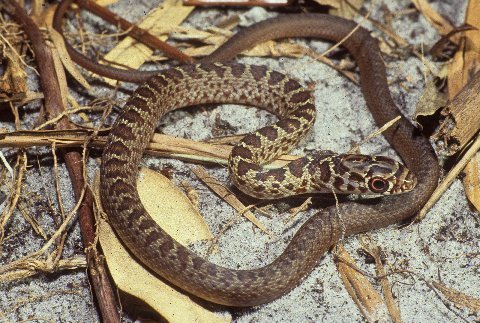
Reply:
x=368 y=300
x=430 y=101
x=133 y=54
x=458 y=298
x=165 y=203
x=435 y=19
x=345 y=9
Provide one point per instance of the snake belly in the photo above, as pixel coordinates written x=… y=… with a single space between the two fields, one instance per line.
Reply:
x=232 y=83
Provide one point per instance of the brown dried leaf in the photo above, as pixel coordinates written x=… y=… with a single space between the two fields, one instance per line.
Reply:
x=346 y=9
x=160 y=20
x=430 y=101
x=14 y=79
x=471 y=182
x=435 y=19
x=393 y=309
x=105 y=3
x=368 y=300
x=458 y=298
x=165 y=203
x=467 y=59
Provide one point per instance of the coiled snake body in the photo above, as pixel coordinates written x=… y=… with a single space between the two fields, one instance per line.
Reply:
x=234 y=83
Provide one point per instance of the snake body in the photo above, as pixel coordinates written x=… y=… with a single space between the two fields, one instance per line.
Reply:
x=235 y=83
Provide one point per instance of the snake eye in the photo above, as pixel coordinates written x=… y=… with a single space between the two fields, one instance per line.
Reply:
x=378 y=185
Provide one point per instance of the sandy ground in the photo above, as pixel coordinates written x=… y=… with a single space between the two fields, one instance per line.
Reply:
x=443 y=247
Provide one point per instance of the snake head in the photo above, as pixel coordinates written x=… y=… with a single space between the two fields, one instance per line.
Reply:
x=363 y=174
x=377 y=174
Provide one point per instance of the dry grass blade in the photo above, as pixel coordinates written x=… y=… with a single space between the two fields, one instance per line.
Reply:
x=369 y=246
x=451 y=176
x=15 y=192
x=440 y=23
x=228 y=197
x=374 y=134
x=458 y=298
x=69 y=65
x=294 y=211
x=368 y=300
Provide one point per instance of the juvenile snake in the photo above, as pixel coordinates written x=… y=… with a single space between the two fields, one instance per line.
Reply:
x=259 y=87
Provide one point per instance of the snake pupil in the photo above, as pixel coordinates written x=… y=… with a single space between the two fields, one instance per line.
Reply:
x=378 y=185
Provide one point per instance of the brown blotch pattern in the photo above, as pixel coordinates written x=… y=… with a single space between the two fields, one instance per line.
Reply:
x=121 y=187
x=157 y=82
x=252 y=140
x=173 y=74
x=288 y=125
x=291 y=85
x=238 y=70
x=338 y=182
x=117 y=148
x=133 y=116
x=306 y=112
x=355 y=177
x=211 y=67
x=242 y=151
x=386 y=160
x=134 y=216
x=338 y=167
x=296 y=167
x=145 y=92
x=258 y=72
x=275 y=78
x=145 y=224
x=165 y=247
x=300 y=97
x=269 y=132
x=244 y=167
x=325 y=172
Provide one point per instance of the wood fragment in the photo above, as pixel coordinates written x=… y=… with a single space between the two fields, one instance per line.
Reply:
x=465 y=64
x=462 y=120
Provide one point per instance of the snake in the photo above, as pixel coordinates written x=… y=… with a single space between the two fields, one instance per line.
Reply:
x=213 y=82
